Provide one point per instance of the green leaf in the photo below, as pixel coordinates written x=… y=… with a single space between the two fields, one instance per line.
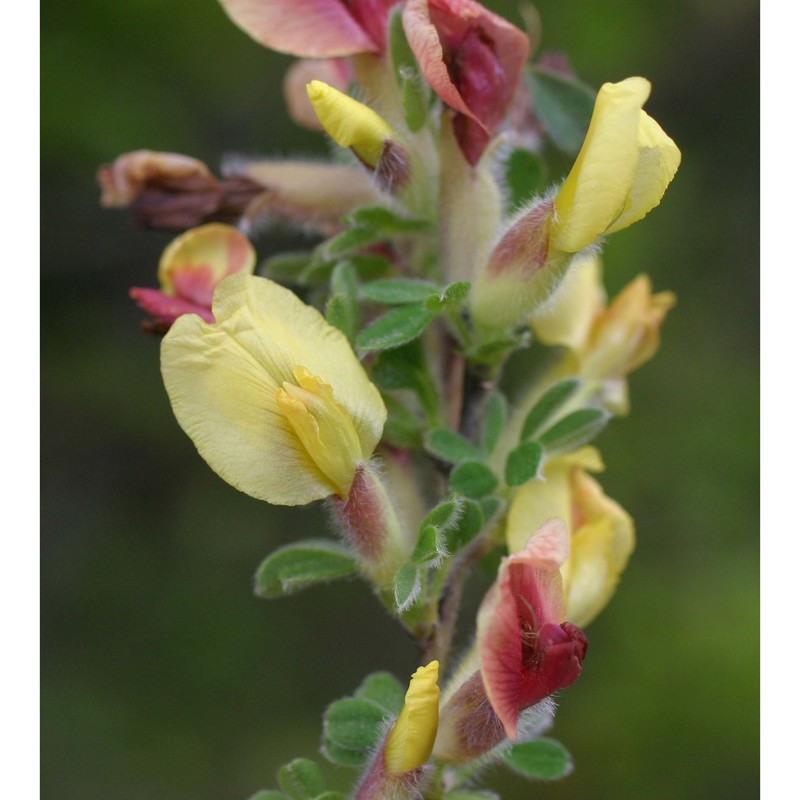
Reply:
x=402 y=427
x=407 y=587
x=269 y=794
x=473 y=479
x=380 y=218
x=414 y=97
x=384 y=690
x=451 y=446
x=446 y=515
x=523 y=463
x=564 y=106
x=398 y=291
x=302 y=564
x=351 y=728
x=330 y=796
x=490 y=506
x=495 y=418
x=301 y=779
x=400 y=51
x=544 y=759
x=547 y=405
x=342 y=310
x=471 y=794
x=526 y=176
x=469 y=524
x=431 y=547
x=286 y=266
x=450 y=298
x=346 y=241
x=574 y=430
x=399 y=326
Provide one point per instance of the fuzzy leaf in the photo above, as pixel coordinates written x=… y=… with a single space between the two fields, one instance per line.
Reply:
x=286 y=266
x=399 y=326
x=450 y=298
x=431 y=547
x=544 y=759
x=414 y=98
x=301 y=564
x=495 y=418
x=402 y=428
x=347 y=241
x=523 y=463
x=351 y=728
x=451 y=446
x=574 y=430
x=526 y=176
x=269 y=794
x=547 y=405
x=473 y=479
x=469 y=524
x=301 y=779
x=406 y=587
x=386 y=221
x=398 y=291
x=342 y=310
x=490 y=506
x=384 y=690
x=564 y=106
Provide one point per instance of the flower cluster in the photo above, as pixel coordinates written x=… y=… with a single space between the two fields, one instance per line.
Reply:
x=384 y=392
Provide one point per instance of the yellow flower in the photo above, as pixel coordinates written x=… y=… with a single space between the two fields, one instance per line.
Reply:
x=601 y=532
x=622 y=171
x=410 y=741
x=350 y=123
x=272 y=396
x=605 y=343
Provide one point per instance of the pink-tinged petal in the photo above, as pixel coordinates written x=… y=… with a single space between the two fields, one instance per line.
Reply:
x=165 y=308
x=525 y=651
x=472 y=59
x=193 y=264
x=312 y=28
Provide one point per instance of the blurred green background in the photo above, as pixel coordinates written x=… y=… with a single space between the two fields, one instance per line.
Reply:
x=163 y=677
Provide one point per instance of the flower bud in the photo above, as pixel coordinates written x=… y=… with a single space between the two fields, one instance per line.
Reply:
x=167 y=190
x=396 y=771
x=522 y=272
x=350 y=123
x=189 y=271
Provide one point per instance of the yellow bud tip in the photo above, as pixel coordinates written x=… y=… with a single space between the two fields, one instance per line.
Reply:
x=349 y=123
x=411 y=739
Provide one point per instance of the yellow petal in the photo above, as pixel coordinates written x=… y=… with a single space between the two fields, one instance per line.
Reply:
x=323 y=426
x=566 y=319
x=196 y=261
x=223 y=380
x=659 y=159
x=601 y=545
x=597 y=188
x=601 y=532
x=539 y=500
x=411 y=739
x=349 y=123
x=626 y=334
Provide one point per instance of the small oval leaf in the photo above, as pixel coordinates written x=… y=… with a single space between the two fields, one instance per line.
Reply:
x=523 y=463
x=547 y=405
x=574 y=430
x=473 y=479
x=545 y=759
x=399 y=326
x=302 y=564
